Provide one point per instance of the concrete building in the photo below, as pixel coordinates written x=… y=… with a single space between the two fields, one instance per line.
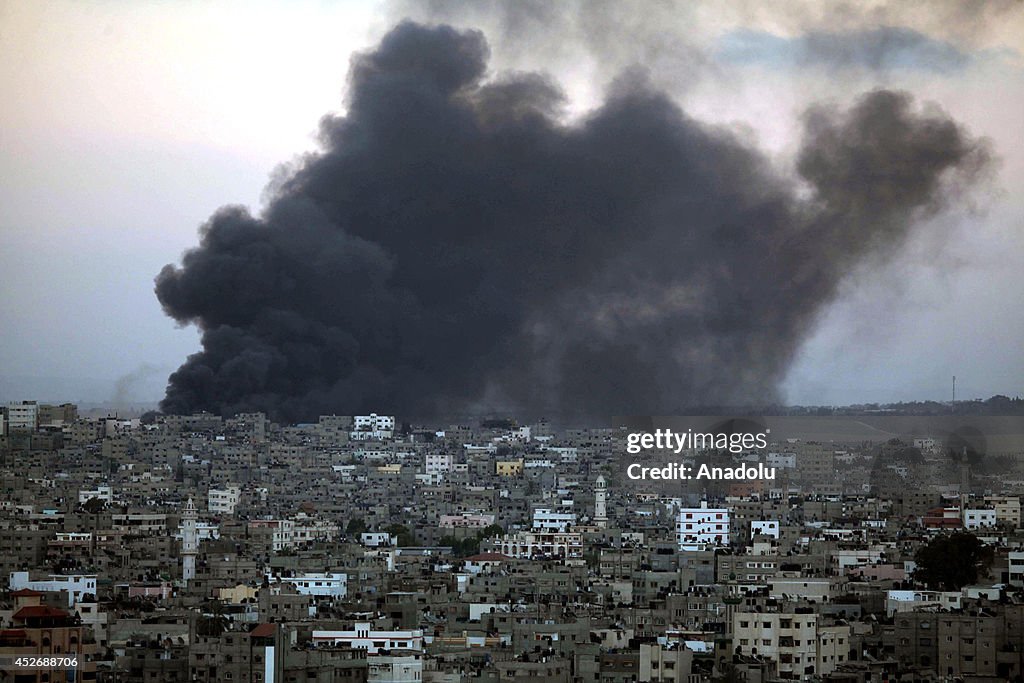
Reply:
x=397 y=666
x=553 y=520
x=661 y=664
x=508 y=468
x=57 y=415
x=374 y=641
x=703 y=527
x=541 y=544
x=223 y=501
x=897 y=601
x=323 y=584
x=372 y=426
x=762 y=527
x=38 y=630
x=979 y=518
x=103 y=493
x=799 y=642
x=78 y=586
x=1016 y=567
x=22 y=416
x=437 y=466
x=466 y=520
x=377 y=539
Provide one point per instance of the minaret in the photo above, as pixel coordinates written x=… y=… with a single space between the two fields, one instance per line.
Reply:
x=601 y=502
x=189 y=542
x=965 y=482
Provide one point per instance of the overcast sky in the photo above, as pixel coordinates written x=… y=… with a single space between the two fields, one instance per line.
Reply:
x=123 y=126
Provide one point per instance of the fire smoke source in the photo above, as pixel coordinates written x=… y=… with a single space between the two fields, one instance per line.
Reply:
x=455 y=244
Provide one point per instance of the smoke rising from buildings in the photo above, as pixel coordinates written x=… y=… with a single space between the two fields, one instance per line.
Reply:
x=456 y=245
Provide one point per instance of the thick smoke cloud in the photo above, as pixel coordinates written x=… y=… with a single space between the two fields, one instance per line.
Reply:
x=456 y=246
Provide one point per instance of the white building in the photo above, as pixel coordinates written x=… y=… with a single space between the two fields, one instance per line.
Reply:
x=113 y=426
x=530 y=544
x=346 y=472
x=766 y=527
x=703 y=527
x=846 y=559
x=438 y=465
x=428 y=480
x=908 y=600
x=794 y=641
x=22 y=416
x=485 y=562
x=312 y=529
x=566 y=454
x=395 y=668
x=780 y=460
x=979 y=518
x=532 y=463
x=223 y=501
x=377 y=539
x=104 y=493
x=333 y=584
x=289 y=533
x=372 y=426
x=550 y=520
x=281 y=531
x=205 y=531
x=1017 y=567
x=77 y=585
x=363 y=637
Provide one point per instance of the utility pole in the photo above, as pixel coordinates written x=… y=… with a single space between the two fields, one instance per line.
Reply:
x=953 y=404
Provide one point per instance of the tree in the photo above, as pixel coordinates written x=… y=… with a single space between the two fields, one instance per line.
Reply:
x=355 y=527
x=952 y=561
x=462 y=547
x=403 y=536
x=491 y=531
x=212 y=625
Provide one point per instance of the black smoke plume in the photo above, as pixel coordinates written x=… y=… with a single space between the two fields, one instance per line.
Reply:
x=457 y=246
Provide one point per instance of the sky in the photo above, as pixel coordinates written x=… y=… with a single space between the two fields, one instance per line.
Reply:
x=124 y=126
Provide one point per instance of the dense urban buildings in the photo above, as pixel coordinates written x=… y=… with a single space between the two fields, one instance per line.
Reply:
x=368 y=548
